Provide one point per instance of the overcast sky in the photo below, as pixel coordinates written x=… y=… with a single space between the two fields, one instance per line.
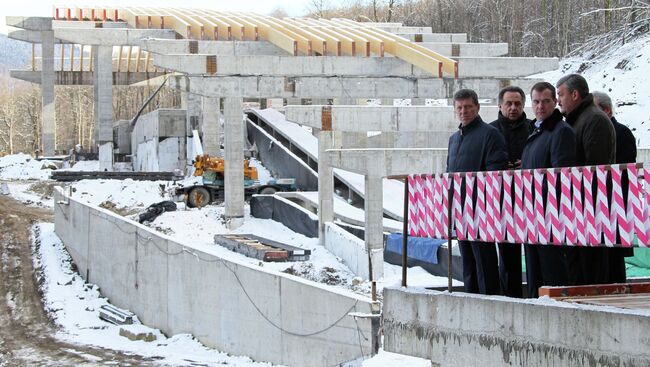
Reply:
x=44 y=8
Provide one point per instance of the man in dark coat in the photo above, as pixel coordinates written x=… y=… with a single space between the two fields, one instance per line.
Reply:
x=476 y=146
x=515 y=128
x=625 y=153
x=595 y=145
x=551 y=145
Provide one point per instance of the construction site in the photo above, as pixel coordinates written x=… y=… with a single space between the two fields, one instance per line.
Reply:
x=340 y=113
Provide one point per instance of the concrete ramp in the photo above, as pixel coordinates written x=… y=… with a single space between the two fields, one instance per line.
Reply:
x=297 y=138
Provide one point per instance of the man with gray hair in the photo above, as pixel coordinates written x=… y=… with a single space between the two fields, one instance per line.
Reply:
x=595 y=145
x=476 y=146
x=625 y=153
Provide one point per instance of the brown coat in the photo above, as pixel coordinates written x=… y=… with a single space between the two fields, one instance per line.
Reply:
x=595 y=135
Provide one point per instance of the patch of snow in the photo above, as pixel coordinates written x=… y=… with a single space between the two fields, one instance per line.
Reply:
x=623 y=74
x=23 y=167
x=74 y=306
x=388 y=359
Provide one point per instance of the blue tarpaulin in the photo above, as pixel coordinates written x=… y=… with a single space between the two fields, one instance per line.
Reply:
x=419 y=248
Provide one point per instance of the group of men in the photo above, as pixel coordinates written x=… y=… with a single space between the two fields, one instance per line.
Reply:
x=581 y=132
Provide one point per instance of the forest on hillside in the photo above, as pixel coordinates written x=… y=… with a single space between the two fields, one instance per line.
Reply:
x=534 y=28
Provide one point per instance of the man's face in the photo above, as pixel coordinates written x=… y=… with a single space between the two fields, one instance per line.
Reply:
x=512 y=106
x=466 y=110
x=543 y=104
x=568 y=100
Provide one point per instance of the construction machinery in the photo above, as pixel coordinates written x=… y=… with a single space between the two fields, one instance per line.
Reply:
x=209 y=187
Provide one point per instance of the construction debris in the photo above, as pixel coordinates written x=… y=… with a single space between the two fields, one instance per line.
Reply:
x=96 y=175
x=115 y=315
x=261 y=248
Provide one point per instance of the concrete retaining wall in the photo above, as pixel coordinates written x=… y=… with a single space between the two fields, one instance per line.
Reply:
x=472 y=330
x=235 y=307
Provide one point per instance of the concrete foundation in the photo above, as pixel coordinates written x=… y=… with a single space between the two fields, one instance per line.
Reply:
x=235 y=307
x=472 y=330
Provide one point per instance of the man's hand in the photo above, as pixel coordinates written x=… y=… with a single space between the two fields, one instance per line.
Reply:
x=514 y=165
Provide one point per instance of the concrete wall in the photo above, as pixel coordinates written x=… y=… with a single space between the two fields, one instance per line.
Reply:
x=235 y=307
x=158 y=141
x=349 y=248
x=472 y=330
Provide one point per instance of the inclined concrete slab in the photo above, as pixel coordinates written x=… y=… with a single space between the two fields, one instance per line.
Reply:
x=183 y=289
x=165 y=46
x=385 y=118
x=391 y=162
x=349 y=248
x=83 y=77
x=467 y=49
x=110 y=36
x=504 y=67
x=435 y=37
x=460 y=329
x=344 y=87
x=30 y=23
x=288 y=65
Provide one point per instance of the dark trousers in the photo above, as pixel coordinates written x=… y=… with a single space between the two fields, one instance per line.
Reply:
x=480 y=267
x=588 y=265
x=545 y=265
x=510 y=269
x=617 y=264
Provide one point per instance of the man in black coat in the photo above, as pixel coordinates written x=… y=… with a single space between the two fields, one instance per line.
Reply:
x=515 y=128
x=551 y=145
x=625 y=153
x=476 y=146
x=595 y=145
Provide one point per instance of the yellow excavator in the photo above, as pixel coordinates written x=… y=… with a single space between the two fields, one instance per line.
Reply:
x=211 y=170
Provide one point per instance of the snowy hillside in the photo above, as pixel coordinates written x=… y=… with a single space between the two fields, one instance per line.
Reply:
x=624 y=74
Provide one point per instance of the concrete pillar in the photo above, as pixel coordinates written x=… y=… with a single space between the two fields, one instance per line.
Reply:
x=294 y=101
x=103 y=92
x=192 y=104
x=374 y=214
x=325 y=185
x=211 y=126
x=234 y=162
x=48 y=137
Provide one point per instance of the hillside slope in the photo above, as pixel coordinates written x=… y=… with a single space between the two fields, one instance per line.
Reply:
x=624 y=73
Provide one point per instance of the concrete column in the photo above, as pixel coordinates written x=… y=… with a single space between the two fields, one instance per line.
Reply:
x=325 y=185
x=374 y=214
x=192 y=104
x=103 y=92
x=48 y=137
x=234 y=162
x=211 y=126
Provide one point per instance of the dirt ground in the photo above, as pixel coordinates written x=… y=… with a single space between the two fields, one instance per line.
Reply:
x=26 y=333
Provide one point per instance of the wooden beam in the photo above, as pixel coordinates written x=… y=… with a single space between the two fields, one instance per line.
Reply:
x=318 y=43
x=197 y=28
x=333 y=43
x=72 y=57
x=304 y=45
x=137 y=60
x=348 y=45
x=128 y=59
x=236 y=29
x=211 y=27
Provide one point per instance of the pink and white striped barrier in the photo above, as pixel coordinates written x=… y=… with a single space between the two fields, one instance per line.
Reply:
x=570 y=206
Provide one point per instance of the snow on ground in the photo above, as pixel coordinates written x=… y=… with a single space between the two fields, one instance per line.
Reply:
x=23 y=167
x=623 y=74
x=74 y=306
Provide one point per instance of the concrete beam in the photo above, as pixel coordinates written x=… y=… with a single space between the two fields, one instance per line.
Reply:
x=435 y=37
x=83 y=77
x=467 y=49
x=223 y=48
x=30 y=23
x=504 y=67
x=383 y=118
x=289 y=65
x=25 y=35
x=110 y=36
x=389 y=162
x=344 y=87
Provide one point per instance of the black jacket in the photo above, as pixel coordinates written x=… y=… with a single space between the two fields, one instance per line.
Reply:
x=625 y=143
x=515 y=133
x=476 y=147
x=595 y=135
x=551 y=145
